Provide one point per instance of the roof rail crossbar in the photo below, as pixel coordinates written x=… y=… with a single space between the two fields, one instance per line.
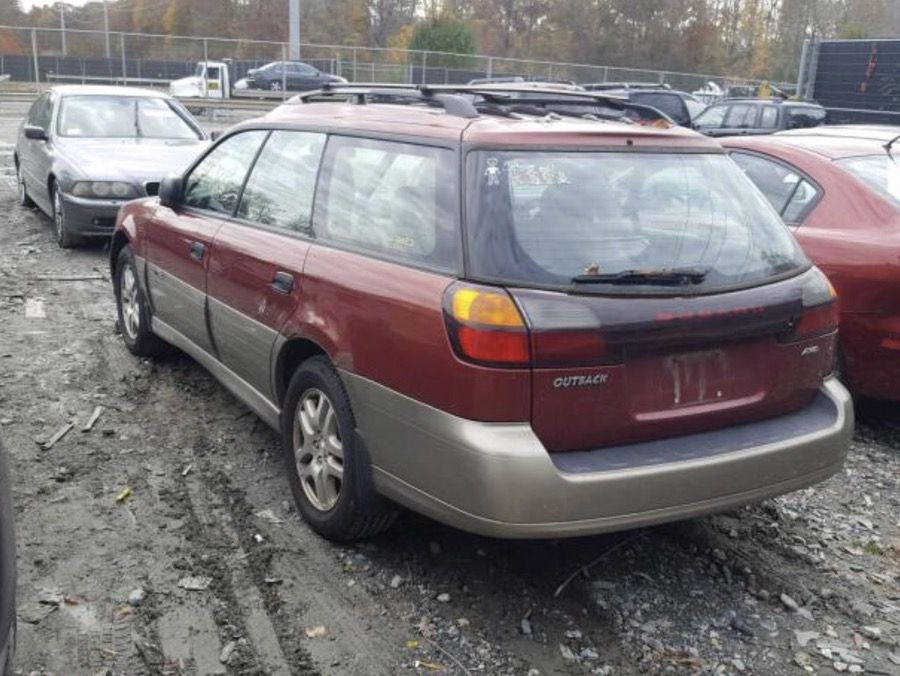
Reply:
x=463 y=100
x=361 y=94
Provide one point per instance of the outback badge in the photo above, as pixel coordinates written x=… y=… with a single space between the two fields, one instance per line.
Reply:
x=580 y=381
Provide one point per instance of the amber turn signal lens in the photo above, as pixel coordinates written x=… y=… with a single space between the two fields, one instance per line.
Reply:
x=490 y=308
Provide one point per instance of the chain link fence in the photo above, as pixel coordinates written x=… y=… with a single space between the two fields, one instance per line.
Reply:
x=42 y=56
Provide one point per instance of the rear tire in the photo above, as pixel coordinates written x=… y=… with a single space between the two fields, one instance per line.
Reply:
x=133 y=309
x=327 y=466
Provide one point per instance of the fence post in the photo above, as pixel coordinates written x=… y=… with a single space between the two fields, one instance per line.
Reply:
x=354 y=66
x=206 y=70
x=606 y=73
x=424 y=66
x=490 y=67
x=283 y=71
x=34 y=54
x=122 y=51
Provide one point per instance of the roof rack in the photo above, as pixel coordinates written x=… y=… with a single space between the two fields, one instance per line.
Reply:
x=600 y=86
x=464 y=100
x=391 y=93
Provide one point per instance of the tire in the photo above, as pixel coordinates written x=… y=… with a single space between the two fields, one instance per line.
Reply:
x=329 y=472
x=132 y=308
x=6 y=669
x=64 y=236
x=275 y=86
x=24 y=199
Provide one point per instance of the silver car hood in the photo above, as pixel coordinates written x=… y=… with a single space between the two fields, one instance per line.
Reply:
x=129 y=159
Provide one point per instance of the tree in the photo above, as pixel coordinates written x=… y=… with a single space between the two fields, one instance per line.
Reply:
x=443 y=34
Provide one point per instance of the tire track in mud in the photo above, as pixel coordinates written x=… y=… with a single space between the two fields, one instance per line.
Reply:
x=245 y=609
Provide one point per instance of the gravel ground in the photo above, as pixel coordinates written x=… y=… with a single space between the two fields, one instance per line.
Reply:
x=161 y=541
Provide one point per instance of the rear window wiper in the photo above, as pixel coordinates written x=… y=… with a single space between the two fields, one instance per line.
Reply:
x=659 y=276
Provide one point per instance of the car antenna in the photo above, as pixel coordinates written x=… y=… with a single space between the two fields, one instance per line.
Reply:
x=887 y=146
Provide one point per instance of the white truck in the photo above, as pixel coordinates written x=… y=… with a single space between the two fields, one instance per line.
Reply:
x=211 y=80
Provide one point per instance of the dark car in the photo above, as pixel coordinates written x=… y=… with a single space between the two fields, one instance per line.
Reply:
x=290 y=76
x=839 y=191
x=82 y=151
x=7 y=571
x=523 y=325
x=743 y=117
x=680 y=106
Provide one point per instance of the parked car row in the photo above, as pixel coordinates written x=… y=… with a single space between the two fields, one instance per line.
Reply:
x=435 y=293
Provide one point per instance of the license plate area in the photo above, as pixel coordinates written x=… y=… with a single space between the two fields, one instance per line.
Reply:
x=700 y=380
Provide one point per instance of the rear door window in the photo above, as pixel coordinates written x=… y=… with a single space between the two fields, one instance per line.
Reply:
x=279 y=192
x=391 y=199
x=215 y=183
x=786 y=189
x=768 y=118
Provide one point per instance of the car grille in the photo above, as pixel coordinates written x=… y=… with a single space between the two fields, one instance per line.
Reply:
x=151 y=188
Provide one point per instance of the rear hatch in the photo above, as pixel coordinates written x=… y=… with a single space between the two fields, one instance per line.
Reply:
x=660 y=293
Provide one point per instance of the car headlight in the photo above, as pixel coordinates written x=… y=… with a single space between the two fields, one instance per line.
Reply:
x=105 y=190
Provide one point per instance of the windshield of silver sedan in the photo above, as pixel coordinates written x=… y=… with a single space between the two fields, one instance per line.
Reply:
x=122 y=117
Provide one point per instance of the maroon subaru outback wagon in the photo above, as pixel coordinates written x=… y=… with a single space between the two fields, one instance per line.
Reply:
x=522 y=318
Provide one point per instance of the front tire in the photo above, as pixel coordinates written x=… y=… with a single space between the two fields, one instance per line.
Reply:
x=275 y=86
x=327 y=467
x=64 y=236
x=22 y=190
x=132 y=308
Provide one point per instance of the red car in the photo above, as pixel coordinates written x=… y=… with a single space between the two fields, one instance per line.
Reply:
x=522 y=316
x=839 y=191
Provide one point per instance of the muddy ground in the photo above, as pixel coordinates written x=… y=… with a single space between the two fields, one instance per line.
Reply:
x=161 y=541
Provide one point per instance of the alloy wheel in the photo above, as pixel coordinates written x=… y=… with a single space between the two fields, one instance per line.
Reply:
x=20 y=185
x=128 y=297
x=318 y=449
x=58 y=216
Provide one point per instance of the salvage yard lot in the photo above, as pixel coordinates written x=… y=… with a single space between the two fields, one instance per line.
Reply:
x=175 y=500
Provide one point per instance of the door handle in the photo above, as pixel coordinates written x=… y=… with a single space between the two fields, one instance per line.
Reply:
x=198 y=250
x=283 y=283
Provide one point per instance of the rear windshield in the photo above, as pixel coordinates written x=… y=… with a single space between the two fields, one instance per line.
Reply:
x=880 y=172
x=538 y=218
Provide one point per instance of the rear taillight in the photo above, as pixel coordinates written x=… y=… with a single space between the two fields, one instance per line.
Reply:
x=820 y=311
x=485 y=326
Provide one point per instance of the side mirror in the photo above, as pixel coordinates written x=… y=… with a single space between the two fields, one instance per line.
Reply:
x=35 y=133
x=215 y=135
x=171 y=191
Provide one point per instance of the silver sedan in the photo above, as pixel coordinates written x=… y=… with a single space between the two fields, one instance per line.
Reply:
x=82 y=151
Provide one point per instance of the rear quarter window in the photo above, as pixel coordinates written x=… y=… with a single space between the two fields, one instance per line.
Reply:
x=390 y=199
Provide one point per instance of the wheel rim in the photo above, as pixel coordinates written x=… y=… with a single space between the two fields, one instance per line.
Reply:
x=58 y=216
x=276 y=86
x=20 y=181
x=318 y=449
x=131 y=314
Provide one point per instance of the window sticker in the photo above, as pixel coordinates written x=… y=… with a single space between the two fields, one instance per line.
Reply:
x=527 y=173
x=492 y=172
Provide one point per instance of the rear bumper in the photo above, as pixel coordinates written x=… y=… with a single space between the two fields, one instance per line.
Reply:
x=497 y=479
x=871 y=344
x=91 y=217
